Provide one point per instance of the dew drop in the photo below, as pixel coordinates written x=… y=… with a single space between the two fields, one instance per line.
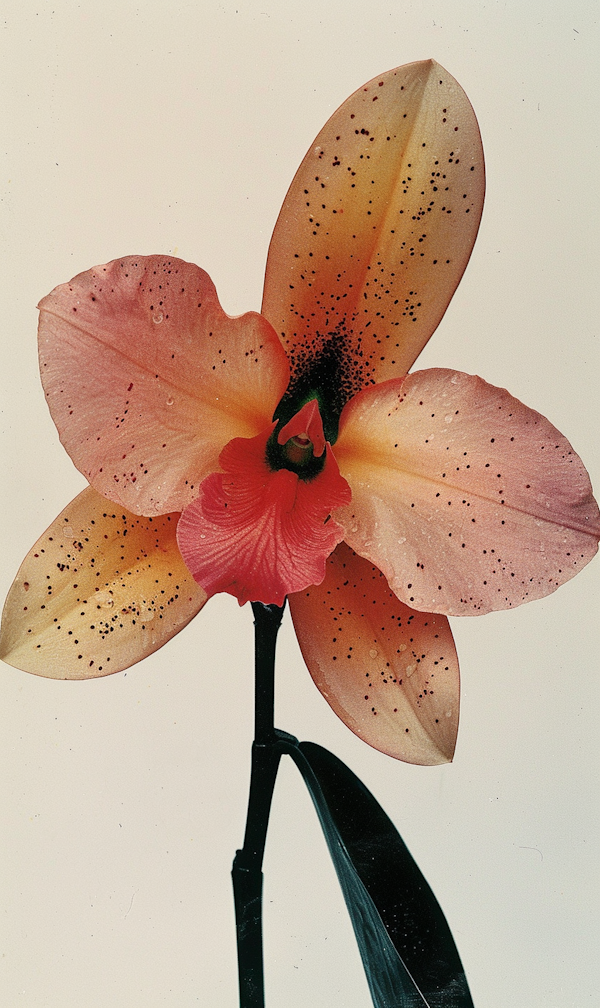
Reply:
x=157 y=319
x=68 y=532
x=170 y=401
x=373 y=652
x=448 y=418
x=402 y=647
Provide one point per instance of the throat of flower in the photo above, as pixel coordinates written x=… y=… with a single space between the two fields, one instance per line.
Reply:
x=260 y=531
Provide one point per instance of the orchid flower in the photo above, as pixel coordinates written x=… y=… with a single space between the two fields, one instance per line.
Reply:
x=291 y=454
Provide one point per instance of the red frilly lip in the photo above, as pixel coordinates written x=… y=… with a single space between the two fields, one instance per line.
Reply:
x=259 y=533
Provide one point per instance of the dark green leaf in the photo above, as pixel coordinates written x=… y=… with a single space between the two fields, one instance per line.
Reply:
x=407 y=949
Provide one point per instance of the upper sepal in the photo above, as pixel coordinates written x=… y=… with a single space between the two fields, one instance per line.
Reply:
x=375 y=231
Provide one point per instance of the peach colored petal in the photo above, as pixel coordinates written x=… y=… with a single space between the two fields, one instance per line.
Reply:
x=99 y=591
x=377 y=227
x=390 y=673
x=147 y=378
x=467 y=500
x=259 y=533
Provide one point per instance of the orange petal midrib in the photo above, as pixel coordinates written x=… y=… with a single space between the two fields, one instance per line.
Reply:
x=364 y=260
x=371 y=462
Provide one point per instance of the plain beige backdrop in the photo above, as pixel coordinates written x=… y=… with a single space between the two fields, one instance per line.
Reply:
x=141 y=127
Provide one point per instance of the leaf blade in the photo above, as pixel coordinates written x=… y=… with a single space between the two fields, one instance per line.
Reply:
x=407 y=948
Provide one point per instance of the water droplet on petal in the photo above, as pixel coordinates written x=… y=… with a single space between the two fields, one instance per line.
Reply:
x=402 y=647
x=448 y=418
x=373 y=652
x=68 y=531
x=157 y=319
x=169 y=401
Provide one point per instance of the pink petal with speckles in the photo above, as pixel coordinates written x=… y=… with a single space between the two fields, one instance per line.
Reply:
x=467 y=500
x=390 y=673
x=147 y=379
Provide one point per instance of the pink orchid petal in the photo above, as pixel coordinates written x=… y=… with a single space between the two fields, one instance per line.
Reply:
x=390 y=673
x=257 y=533
x=147 y=379
x=99 y=591
x=307 y=420
x=467 y=500
x=378 y=225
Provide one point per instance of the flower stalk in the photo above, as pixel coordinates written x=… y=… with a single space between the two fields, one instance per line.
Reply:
x=247 y=866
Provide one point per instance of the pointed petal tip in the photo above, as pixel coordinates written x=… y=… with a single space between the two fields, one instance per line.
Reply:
x=99 y=591
x=392 y=188
x=389 y=673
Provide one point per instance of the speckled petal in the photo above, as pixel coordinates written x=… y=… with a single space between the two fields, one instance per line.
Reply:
x=377 y=227
x=147 y=378
x=99 y=591
x=390 y=673
x=467 y=500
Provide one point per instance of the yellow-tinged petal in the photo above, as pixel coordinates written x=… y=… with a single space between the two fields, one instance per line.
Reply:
x=390 y=673
x=99 y=591
x=378 y=225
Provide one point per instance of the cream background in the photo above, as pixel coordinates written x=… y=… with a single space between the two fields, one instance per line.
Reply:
x=137 y=129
